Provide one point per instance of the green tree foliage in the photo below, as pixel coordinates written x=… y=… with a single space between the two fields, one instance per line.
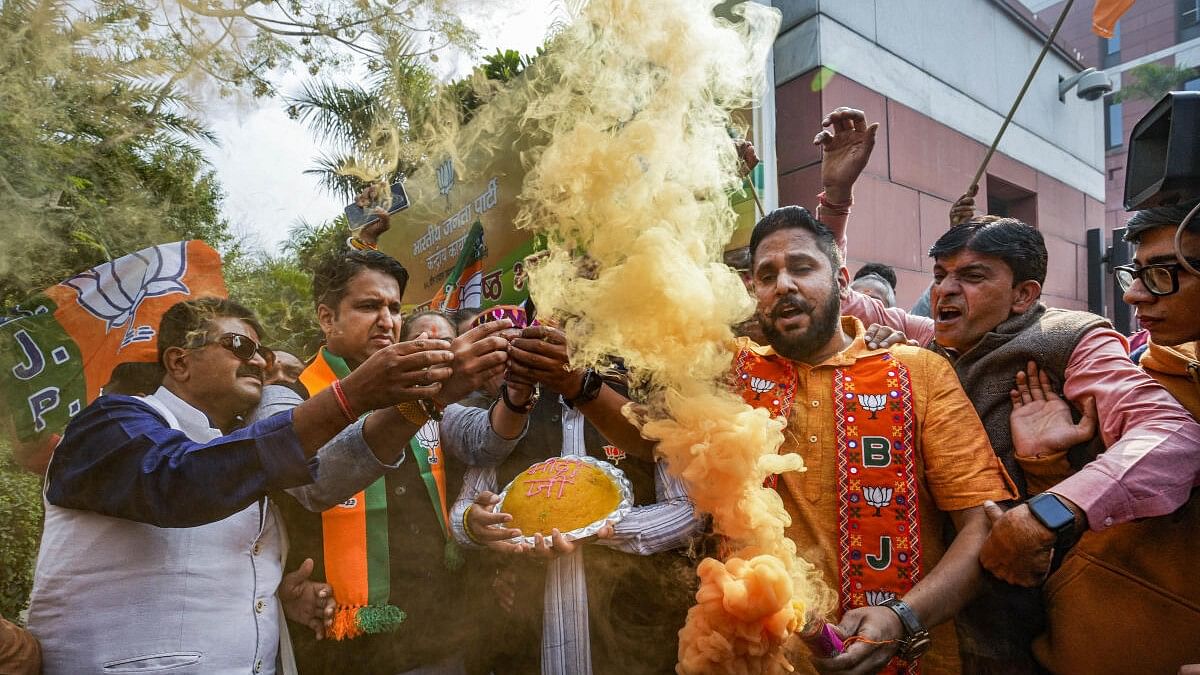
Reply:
x=1152 y=81
x=20 y=530
x=97 y=157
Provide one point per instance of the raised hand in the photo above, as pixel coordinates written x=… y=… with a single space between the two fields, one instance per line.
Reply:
x=404 y=371
x=846 y=144
x=1041 y=420
x=964 y=209
x=306 y=601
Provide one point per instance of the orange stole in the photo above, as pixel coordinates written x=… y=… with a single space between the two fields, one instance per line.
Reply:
x=878 y=525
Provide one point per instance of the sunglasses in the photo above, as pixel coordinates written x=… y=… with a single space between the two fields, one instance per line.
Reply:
x=1159 y=278
x=242 y=347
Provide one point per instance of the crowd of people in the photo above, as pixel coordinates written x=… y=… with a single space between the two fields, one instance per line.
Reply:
x=992 y=487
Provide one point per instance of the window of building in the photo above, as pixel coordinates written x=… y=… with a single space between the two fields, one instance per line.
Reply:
x=1114 y=128
x=1110 y=49
x=1011 y=201
x=1188 y=19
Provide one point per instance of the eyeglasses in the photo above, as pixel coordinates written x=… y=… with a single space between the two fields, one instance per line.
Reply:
x=242 y=347
x=1159 y=278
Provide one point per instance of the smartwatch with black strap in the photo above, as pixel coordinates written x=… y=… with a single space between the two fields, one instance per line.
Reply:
x=1056 y=516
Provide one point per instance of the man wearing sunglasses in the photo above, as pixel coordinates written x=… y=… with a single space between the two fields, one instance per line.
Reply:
x=1139 y=566
x=160 y=549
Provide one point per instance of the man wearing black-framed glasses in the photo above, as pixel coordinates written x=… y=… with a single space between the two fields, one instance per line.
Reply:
x=1134 y=566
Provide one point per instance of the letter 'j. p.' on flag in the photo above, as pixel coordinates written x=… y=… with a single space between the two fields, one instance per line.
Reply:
x=60 y=348
x=1106 y=14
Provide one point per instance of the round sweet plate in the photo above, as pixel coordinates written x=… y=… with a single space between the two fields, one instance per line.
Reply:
x=560 y=491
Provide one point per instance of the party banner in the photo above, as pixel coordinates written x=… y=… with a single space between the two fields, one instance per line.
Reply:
x=60 y=348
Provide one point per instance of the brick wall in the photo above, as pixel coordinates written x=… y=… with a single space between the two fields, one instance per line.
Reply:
x=919 y=167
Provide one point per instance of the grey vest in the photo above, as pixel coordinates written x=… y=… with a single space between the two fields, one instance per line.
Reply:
x=116 y=596
x=986 y=371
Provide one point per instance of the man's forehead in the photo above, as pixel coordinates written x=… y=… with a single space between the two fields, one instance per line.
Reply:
x=791 y=242
x=968 y=258
x=1159 y=242
x=228 y=324
x=373 y=283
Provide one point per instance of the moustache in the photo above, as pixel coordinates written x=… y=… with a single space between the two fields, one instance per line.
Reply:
x=790 y=302
x=251 y=371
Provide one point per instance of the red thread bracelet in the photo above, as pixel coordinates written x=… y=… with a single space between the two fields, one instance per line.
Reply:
x=840 y=209
x=343 y=403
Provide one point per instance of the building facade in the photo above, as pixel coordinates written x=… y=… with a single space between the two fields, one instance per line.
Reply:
x=1166 y=32
x=939 y=76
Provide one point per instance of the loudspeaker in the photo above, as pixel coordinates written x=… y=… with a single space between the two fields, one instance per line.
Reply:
x=1164 y=154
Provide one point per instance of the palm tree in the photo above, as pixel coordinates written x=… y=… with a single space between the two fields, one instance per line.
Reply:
x=1152 y=81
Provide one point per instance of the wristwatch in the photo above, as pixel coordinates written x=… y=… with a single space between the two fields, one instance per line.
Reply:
x=592 y=382
x=1051 y=512
x=916 y=640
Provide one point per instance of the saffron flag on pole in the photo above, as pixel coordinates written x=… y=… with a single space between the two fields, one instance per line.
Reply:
x=1106 y=14
x=60 y=348
x=464 y=287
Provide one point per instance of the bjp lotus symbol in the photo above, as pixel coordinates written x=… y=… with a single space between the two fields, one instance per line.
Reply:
x=878 y=497
x=114 y=291
x=876 y=598
x=427 y=435
x=760 y=386
x=872 y=402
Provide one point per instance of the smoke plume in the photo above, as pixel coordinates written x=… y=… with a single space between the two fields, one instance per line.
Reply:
x=629 y=111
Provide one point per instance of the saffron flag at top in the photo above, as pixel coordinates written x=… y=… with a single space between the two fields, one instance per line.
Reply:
x=58 y=349
x=1106 y=14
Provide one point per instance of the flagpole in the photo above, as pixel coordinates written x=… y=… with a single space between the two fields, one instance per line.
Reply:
x=1020 y=96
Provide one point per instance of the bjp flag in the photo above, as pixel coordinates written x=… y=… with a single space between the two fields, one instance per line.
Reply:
x=1106 y=14
x=464 y=286
x=59 y=349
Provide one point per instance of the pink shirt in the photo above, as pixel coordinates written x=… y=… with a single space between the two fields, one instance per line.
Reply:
x=1153 y=456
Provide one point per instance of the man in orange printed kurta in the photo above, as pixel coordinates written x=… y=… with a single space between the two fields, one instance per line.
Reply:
x=894 y=452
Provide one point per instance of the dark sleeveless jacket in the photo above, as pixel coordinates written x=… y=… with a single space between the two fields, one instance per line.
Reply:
x=436 y=600
x=996 y=631
x=636 y=604
x=986 y=371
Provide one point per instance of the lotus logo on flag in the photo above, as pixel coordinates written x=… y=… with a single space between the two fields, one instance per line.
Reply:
x=114 y=291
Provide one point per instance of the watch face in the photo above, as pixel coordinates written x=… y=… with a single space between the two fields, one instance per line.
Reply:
x=1051 y=512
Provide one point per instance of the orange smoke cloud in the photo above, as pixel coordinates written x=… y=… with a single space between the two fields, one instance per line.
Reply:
x=633 y=101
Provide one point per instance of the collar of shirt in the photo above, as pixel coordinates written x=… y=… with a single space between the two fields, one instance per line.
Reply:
x=856 y=350
x=193 y=423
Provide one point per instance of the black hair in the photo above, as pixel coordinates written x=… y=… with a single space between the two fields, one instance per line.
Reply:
x=334 y=272
x=181 y=323
x=1160 y=216
x=1018 y=244
x=797 y=217
x=408 y=322
x=880 y=270
x=135 y=379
